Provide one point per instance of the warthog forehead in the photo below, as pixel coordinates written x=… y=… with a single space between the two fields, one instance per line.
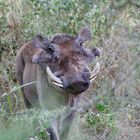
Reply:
x=60 y=38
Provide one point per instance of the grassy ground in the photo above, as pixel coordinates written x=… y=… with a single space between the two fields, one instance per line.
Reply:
x=115 y=95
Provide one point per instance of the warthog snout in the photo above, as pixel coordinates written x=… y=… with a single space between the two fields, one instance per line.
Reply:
x=76 y=83
x=77 y=87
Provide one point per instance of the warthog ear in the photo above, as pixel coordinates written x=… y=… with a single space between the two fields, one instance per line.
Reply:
x=40 y=42
x=84 y=34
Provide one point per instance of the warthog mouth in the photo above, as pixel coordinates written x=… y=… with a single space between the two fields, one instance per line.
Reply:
x=56 y=81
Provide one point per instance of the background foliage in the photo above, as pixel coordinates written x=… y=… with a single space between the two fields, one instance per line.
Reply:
x=115 y=95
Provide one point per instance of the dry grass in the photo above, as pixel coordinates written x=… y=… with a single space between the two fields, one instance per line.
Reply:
x=117 y=87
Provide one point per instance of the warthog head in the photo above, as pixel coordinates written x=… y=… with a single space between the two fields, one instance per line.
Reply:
x=66 y=60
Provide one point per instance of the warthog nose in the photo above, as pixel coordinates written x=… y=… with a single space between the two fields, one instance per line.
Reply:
x=77 y=87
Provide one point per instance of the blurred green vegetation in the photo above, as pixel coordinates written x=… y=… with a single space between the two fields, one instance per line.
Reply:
x=115 y=93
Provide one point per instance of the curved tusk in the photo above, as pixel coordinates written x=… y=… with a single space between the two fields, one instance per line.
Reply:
x=94 y=73
x=53 y=77
x=91 y=80
x=57 y=84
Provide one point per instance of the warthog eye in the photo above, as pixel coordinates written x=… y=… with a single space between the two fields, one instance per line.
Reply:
x=50 y=49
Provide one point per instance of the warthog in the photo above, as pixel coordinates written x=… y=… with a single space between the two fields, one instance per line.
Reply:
x=57 y=70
